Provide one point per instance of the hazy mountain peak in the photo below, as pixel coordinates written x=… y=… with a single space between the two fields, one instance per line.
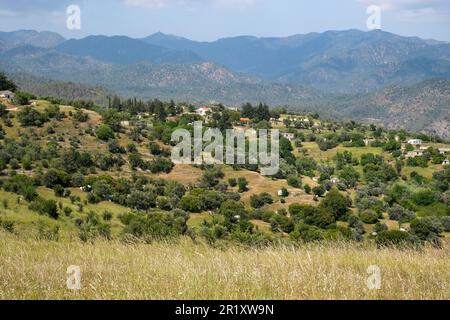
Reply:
x=124 y=50
x=161 y=35
x=43 y=39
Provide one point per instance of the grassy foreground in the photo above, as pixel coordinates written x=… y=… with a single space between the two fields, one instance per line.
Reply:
x=111 y=270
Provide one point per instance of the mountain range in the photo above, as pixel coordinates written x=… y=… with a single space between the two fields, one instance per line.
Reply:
x=372 y=76
x=338 y=61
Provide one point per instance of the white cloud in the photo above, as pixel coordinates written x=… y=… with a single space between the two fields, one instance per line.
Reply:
x=414 y=10
x=396 y=5
x=146 y=3
x=216 y=3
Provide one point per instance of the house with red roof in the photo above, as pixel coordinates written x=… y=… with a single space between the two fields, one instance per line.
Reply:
x=203 y=111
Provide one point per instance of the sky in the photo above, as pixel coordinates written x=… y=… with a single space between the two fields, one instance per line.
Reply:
x=208 y=20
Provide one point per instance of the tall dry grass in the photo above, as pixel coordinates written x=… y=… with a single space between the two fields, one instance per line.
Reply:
x=112 y=270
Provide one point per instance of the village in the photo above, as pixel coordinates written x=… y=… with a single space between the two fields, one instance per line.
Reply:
x=289 y=123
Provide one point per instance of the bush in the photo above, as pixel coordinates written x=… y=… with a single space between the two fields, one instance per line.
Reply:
x=104 y=132
x=232 y=182
x=48 y=207
x=294 y=181
x=190 y=203
x=243 y=185
x=355 y=223
x=7 y=225
x=46 y=232
x=155 y=225
x=91 y=227
x=21 y=185
x=281 y=223
x=259 y=201
x=307 y=188
x=68 y=211
x=369 y=217
x=395 y=238
x=427 y=229
x=30 y=117
x=446 y=197
x=446 y=223
x=59 y=191
x=164 y=203
x=306 y=233
x=315 y=216
x=320 y=218
x=233 y=211
x=337 y=204
x=401 y=214
x=284 y=192
x=424 y=197
x=380 y=227
x=23 y=98
x=161 y=165
x=107 y=216
x=115 y=147
x=319 y=191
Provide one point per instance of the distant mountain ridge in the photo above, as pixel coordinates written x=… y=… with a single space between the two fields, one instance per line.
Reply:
x=44 y=87
x=348 y=61
x=196 y=82
x=44 y=39
x=367 y=76
x=125 y=50
x=422 y=107
x=338 y=61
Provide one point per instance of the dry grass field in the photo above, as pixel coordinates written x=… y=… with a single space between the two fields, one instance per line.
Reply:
x=183 y=270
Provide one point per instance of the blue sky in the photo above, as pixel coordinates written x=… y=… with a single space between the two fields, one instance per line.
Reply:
x=212 y=19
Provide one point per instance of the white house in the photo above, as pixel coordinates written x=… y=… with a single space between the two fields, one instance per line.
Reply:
x=289 y=136
x=446 y=162
x=335 y=180
x=415 y=142
x=7 y=95
x=368 y=141
x=413 y=154
x=203 y=111
x=444 y=150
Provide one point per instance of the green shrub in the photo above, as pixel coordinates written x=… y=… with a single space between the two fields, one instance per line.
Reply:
x=7 y=225
x=22 y=185
x=46 y=232
x=307 y=188
x=395 y=238
x=294 y=181
x=30 y=117
x=232 y=182
x=424 y=197
x=369 y=216
x=306 y=233
x=337 y=204
x=446 y=223
x=48 y=207
x=401 y=214
x=104 y=132
x=243 y=185
x=91 y=228
x=67 y=211
x=155 y=225
x=259 y=201
x=428 y=229
x=380 y=227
